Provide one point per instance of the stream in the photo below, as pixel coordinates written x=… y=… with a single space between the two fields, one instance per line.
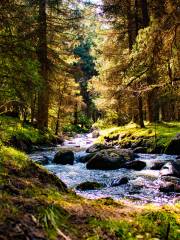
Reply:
x=143 y=186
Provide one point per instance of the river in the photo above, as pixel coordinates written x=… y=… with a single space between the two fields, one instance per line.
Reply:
x=143 y=186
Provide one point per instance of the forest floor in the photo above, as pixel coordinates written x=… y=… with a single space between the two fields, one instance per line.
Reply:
x=36 y=205
x=154 y=137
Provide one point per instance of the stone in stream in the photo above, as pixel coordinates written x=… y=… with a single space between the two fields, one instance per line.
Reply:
x=97 y=147
x=86 y=158
x=157 y=165
x=174 y=146
x=119 y=181
x=89 y=186
x=135 y=165
x=44 y=160
x=169 y=187
x=171 y=169
x=110 y=159
x=140 y=150
x=64 y=157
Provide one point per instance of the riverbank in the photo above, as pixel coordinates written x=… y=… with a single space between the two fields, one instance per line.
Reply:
x=154 y=138
x=37 y=205
x=23 y=136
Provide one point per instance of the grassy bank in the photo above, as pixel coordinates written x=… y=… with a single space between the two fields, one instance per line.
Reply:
x=14 y=132
x=35 y=204
x=154 y=135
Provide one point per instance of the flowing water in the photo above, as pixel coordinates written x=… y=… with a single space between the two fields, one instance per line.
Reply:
x=143 y=186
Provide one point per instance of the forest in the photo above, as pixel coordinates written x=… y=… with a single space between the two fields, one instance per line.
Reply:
x=89 y=119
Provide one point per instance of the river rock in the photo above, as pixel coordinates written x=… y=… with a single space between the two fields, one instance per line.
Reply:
x=86 y=158
x=169 y=187
x=140 y=150
x=89 y=186
x=119 y=181
x=96 y=147
x=135 y=165
x=174 y=146
x=110 y=159
x=64 y=157
x=171 y=179
x=171 y=169
x=157 y=165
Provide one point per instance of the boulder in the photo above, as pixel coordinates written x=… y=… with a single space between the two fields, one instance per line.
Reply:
x=171 y=169
x=171 y=179
x=85 y=159
x=43 y=160
x=96 y=147
x=169 y=187
x=135 y=165
x=64 y=157
x=157 y=165
x=89 y=186
x=174 y=146
x=170 y=184
x=110 y=159
x=140 y=150
x=119 y=181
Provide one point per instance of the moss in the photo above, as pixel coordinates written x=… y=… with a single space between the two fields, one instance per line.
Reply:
x=14 y=128
x=154 y=135
x=13 y=157
x=89 y=186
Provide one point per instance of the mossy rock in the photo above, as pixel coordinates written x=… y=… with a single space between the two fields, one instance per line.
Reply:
x=110 y=159
x=97 y=147
x=64 y=157
x=137 y=165
x=89 y=186
x=174 y=146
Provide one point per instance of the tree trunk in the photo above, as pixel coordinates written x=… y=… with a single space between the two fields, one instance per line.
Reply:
x=33 y=105
x=76 y=114
x=140 y=109
x=43 y=95
x=58 y=119
x=145 y=14
x=131 y=26
x=150 y=108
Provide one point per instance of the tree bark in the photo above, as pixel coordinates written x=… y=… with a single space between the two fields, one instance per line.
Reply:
x=140 y=109
x=58 y=119
x=43 y=95
x=145 y=14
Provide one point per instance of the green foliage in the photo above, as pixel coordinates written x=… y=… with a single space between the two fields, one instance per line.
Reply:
x=14 y=127
x=52 y=218
x=149 y=225
x=71 y=128
x=9 y=155
x=159 y=134
x=86 y=62
x=156 y=224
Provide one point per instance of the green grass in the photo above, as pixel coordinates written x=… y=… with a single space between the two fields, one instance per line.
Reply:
x=10 y=127
x=152 y=224
x=159 y=133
